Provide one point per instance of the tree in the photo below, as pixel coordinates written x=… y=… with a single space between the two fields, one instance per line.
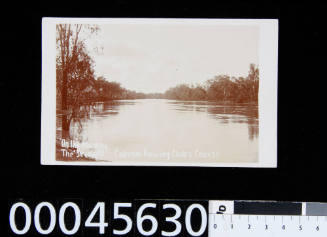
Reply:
x=199 y=93
x=253 y=78
x=220 y=88
x=74 y=67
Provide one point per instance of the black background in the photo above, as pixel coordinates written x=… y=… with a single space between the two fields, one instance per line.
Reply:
x=301 y=172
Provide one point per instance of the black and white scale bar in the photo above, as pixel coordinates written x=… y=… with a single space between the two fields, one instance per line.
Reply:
x=267 y=208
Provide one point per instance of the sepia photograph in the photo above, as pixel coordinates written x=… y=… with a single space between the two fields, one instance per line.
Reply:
x=159 y=92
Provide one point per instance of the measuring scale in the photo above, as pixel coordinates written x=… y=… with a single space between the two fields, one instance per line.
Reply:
x=255 y=218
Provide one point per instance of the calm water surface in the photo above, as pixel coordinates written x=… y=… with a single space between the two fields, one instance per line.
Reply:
x=168 y=131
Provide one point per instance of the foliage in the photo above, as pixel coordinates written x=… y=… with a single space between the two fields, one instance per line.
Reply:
x=221 y=88
x=74 y=69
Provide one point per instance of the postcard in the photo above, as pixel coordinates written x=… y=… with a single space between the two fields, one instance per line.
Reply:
x=159 y=92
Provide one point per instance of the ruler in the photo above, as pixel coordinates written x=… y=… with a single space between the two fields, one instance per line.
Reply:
x=255 y=218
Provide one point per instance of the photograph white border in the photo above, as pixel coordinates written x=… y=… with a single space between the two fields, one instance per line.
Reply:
x=268 y=65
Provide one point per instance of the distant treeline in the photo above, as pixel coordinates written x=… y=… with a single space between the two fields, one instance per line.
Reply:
x=86 y=89
x=221 y=88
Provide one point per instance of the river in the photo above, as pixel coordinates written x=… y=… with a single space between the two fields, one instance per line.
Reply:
x=159 y=130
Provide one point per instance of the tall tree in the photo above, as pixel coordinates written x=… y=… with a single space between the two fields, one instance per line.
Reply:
x=73 y=62
x=253 y=77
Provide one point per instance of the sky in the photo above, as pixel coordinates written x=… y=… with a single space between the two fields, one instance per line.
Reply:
x=152 y=58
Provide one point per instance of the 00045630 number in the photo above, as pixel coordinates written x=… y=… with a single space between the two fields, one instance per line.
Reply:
x=146 y=224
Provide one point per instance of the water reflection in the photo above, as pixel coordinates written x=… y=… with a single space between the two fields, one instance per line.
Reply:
x=95 y=112
x=235 y=113
x=167 y=125
x=224 y=113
